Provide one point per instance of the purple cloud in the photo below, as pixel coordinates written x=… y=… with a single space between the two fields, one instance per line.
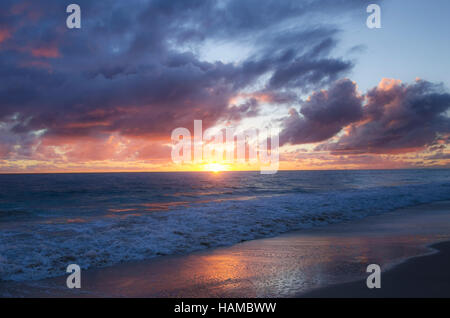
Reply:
x=324 y=114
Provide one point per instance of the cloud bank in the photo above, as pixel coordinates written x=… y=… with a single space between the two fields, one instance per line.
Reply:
x=115 y=89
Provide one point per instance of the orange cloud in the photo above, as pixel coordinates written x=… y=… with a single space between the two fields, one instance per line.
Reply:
x=4 y=35
x=387 y=84
x=47 y=52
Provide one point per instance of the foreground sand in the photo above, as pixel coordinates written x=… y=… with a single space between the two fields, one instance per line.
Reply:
x=297 y=264
x=423 y=277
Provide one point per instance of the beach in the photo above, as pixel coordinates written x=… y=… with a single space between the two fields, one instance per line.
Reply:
x=328 y=261
x=419 y=277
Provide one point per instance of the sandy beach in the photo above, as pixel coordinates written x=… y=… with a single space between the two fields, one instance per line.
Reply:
x=328 y=261
x=419 y=277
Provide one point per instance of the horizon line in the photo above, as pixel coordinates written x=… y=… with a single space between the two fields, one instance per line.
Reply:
x=225 y=171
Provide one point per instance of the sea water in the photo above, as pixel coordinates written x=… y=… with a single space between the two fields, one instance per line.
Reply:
x=48 y=221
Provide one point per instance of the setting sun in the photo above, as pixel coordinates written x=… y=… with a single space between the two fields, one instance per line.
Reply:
x=215 y=167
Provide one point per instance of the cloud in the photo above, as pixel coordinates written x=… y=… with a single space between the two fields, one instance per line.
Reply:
x=398 y=118
x=48 y=52
x=324 y=114
x=4 y=35
x=311 y=69
x=439 y=156
x=134 y=70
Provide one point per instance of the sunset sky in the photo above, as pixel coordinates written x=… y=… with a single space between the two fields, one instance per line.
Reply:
x=106 y=97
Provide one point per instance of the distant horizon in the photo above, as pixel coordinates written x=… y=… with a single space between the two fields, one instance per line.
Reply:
x=220 y=172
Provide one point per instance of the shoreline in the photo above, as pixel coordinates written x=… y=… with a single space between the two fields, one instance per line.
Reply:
x=423 y=276
x=289 y=265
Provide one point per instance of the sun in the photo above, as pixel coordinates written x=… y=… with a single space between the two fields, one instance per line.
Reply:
x=215 y=167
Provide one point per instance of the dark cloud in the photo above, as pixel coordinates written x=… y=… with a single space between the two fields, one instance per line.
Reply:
x=398 y=118
x=325 y=113
x=439 y=156
x=247 y=109
x=133 y=69
x=310 y=69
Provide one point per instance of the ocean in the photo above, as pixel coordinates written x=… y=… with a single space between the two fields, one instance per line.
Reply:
x=48 y=221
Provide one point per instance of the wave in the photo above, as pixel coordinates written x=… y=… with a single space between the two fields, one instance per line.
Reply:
x=39 y=250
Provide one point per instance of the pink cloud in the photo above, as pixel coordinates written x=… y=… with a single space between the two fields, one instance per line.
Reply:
x=4 y=35
x=47 y=52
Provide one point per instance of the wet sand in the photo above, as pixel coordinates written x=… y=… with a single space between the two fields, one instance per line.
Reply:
x=420 y=277
x=297 y=264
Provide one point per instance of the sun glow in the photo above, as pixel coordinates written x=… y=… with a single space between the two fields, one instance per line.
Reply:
x=215 y=167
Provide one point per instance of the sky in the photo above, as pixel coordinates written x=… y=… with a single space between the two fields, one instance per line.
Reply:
x=107 y=96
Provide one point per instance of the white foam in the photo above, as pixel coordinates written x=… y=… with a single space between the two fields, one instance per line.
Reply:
x=37 y=250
